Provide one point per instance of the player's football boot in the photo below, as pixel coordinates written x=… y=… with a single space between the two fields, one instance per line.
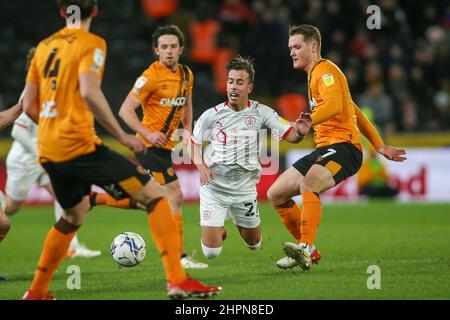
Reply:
x=29 y=296
x=289 y=263
x=82 y=251
x=190 y=263
x=300 y=253
x=2 y=279
x=191 y=288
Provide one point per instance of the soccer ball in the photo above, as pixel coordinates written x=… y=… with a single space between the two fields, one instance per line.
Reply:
x=128 y=249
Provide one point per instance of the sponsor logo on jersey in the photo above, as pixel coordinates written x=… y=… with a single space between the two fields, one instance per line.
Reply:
x=173 y=102
x=328 y=79
x=250 y=121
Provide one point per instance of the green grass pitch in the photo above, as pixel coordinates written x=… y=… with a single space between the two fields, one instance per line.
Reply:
x=409 y=242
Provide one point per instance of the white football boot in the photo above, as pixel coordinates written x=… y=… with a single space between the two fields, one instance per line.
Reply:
x=301 y=253
x=190 y=263
x=81 y=251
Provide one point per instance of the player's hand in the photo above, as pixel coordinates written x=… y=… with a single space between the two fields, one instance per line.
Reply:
x=303 y=124
x=157 y=138
x=186 y=137
x=205 y=176
x=134 y=143
x=392 y=153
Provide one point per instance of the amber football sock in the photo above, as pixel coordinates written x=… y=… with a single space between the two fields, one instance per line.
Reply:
x=55 y=249
x=164 y=232
x=179 y=220
x=290 y=214
x=311 y=216
x=107 y=200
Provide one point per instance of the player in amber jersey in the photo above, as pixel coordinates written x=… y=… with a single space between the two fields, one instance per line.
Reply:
x=336 y=121
x=164 y=92
x=63 y=93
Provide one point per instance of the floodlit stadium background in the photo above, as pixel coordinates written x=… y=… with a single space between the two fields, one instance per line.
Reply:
x=399 y=74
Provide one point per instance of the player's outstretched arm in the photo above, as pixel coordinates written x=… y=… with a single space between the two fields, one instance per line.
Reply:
x=368 y=130
x=393 y=154
x=8 y=116
x=194 y=152
x=128 y=113
x=97 y=103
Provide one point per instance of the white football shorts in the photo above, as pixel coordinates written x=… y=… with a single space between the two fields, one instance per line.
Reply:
x=20 y=179
x=242 y=209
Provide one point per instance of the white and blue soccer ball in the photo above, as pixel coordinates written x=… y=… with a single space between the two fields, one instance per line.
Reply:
x=128 y=249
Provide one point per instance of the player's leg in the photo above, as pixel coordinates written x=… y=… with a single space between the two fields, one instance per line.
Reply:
x=4 y=221
x=175 y=195
x=76 y=249
x=213 y=211
x=73 y=198
x=245 y=215
x=280 y=196
x=334 y=164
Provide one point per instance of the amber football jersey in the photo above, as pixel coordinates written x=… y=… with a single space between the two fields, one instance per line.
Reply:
x=329 y=94
x=163 y=94
x=66 y=125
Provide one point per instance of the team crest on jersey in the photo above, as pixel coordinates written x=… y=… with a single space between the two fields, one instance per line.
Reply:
x=328 y=79
x=250 y=121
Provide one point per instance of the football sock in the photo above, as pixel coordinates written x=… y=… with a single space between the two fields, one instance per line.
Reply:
x=55 y=249
x=2 y=237
x=58 y=215
x=311 y=215
x=164 y=232
x=290 y=214
x=106 y=199
x=179 y=220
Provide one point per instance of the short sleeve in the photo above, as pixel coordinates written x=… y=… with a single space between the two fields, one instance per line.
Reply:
x=93 y=58
x=202 y=128
x=279 y=126
x=144 y=86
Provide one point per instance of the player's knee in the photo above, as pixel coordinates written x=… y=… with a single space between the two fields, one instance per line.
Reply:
x=211 y=253
x=255 y=244
x=274 y=197
x=5 y=225
x=177 y=199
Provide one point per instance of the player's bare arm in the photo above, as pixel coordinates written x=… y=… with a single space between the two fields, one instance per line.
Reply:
x=194 y=151
x=94 y=98
x=186 y=120
x=31 y=101
x=8 y=116
x=128 y=113
x=369 y=131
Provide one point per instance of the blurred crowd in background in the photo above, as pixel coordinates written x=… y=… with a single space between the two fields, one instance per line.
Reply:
x=399 y=74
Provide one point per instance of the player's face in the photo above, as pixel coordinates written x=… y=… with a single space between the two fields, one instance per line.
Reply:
x=238 y=88
x=300 y=51
x=169 y=51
